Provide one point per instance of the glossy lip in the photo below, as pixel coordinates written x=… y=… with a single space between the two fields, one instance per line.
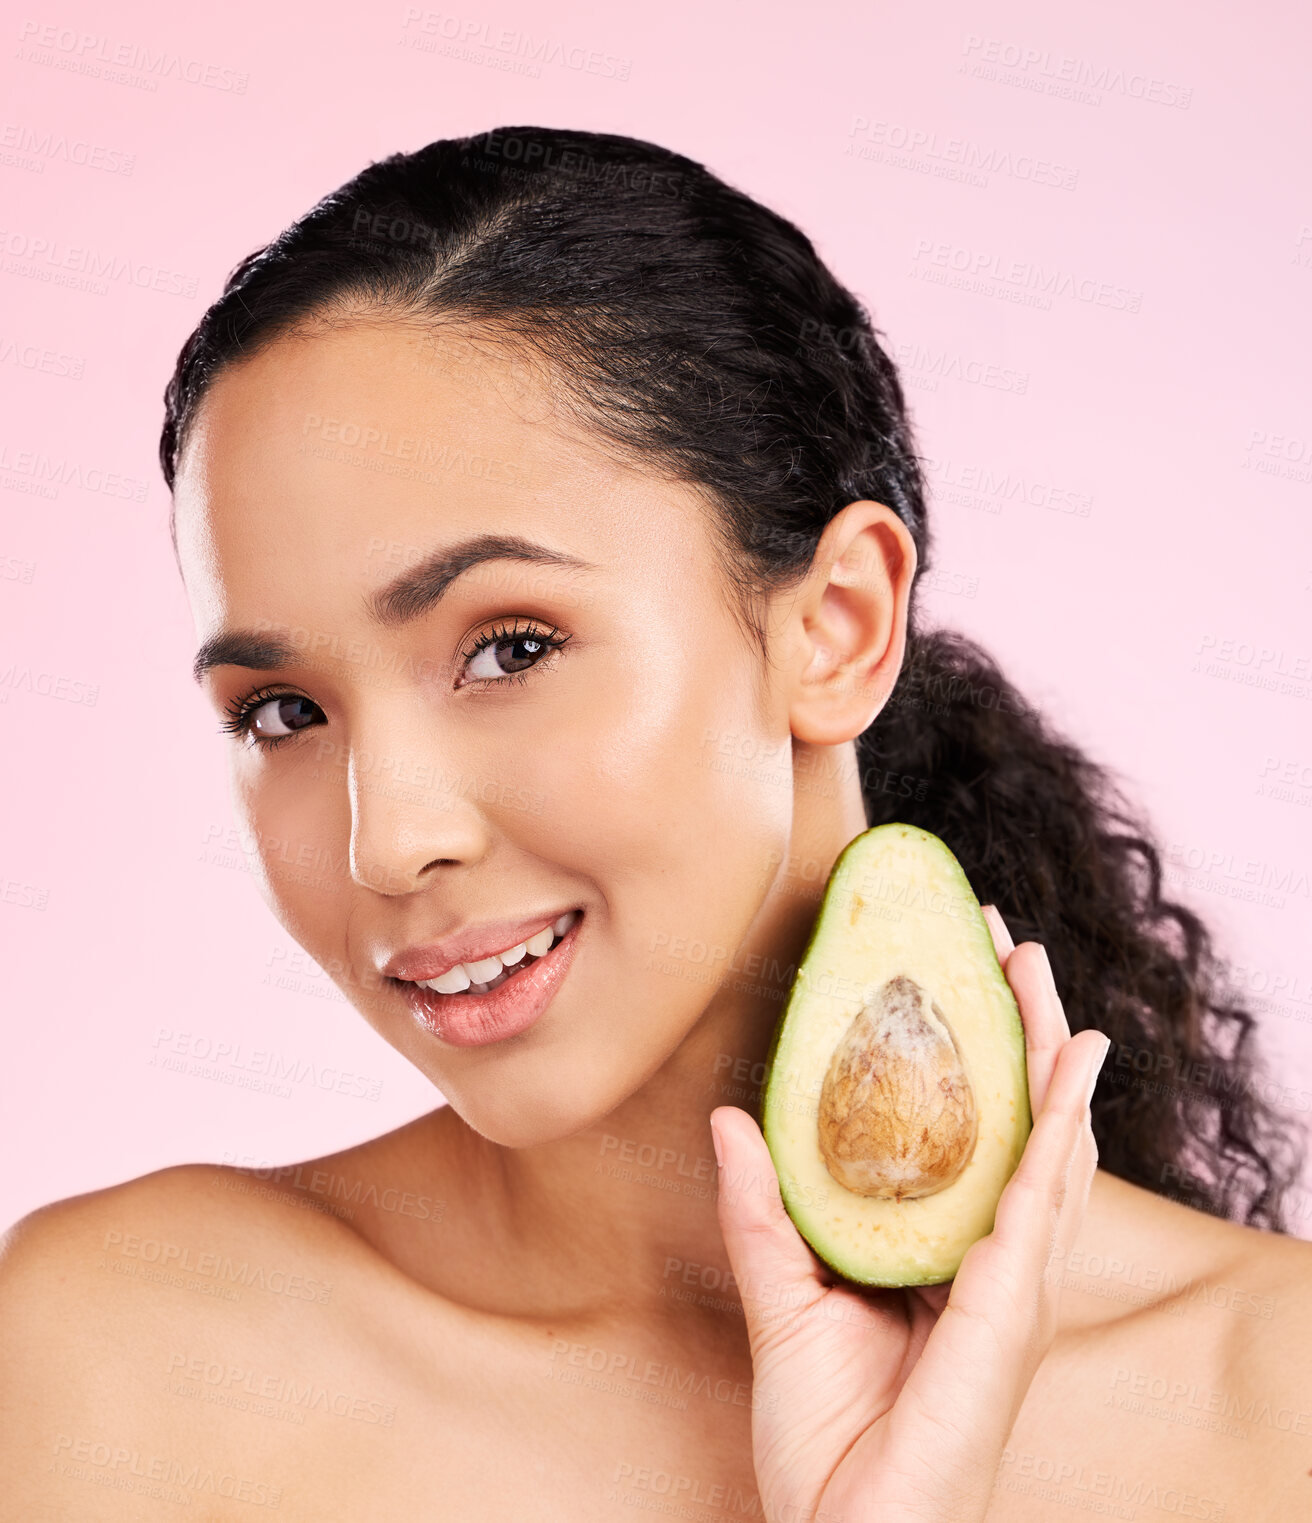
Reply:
x=469 y=945
x=475 y=1020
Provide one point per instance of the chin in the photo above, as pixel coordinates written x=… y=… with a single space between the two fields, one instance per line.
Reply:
x=526 y=1119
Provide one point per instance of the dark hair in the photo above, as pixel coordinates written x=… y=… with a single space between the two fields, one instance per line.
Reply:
x=700 y=331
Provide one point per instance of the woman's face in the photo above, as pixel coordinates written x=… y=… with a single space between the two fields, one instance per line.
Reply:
x=403 y=785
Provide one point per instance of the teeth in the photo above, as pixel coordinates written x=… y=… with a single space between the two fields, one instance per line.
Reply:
x=487 y=972
x=453 y=981
x=484 y=970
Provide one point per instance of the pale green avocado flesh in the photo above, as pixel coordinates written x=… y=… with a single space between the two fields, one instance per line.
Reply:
x=896 y=1098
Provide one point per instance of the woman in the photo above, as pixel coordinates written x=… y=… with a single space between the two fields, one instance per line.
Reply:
x=569 y=505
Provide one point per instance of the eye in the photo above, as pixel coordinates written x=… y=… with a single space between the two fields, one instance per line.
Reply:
x=509 y=653
x=267 y=718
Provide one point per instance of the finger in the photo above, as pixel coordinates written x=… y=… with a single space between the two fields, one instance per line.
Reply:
x=1043 y=1019
x=1078 y=1184
x=1044 y=1197
x=1072 y=1209
x=771 y=1262
x=980 y=1358
x=1042 y=1014
x=1003 y=945
x=1079 y=1181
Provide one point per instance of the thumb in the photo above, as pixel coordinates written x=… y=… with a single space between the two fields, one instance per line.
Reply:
x=776 y=1273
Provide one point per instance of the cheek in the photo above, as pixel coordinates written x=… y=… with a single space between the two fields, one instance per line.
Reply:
x=300 y=851
x=670 y=794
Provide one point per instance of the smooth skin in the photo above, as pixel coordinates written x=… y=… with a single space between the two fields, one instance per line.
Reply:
x=512 y=1316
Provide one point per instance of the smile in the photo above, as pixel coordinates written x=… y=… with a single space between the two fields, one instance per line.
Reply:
x=491 y=972
x=478 y=1003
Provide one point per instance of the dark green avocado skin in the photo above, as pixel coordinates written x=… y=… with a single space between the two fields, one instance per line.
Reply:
x=859 y=840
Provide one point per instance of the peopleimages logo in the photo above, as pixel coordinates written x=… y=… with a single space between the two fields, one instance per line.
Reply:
x=971 y=485
x=996 y=274
x=83 y=51
x=41 y=145
x=1060 y=74
x=929 y=366
x=37 y=357
x=47 y=258
x=45 y=474
x=472 y=32
x=919 y=148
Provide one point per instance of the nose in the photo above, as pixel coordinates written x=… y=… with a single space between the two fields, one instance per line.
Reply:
x=409 y=815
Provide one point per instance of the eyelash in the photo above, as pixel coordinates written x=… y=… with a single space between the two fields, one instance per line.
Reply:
x=240 y=710
x=549 y=635
x=239 y=713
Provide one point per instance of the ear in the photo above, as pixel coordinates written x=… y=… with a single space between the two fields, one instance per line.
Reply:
x=849 y=623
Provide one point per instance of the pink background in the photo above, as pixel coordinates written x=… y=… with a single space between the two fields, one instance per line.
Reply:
x=1156 y=154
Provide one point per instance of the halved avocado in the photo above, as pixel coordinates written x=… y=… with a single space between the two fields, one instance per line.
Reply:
x=896 y=1097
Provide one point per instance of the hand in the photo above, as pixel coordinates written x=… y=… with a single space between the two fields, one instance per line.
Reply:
x=894 y=1406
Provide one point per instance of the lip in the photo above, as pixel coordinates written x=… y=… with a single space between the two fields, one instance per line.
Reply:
x=470 y=945
x=475 y=1020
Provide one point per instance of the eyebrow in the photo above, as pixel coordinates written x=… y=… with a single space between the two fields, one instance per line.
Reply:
x=406 y=598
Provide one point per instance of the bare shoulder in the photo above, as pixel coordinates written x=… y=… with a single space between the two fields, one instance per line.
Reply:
x=115 y=1307
x=1256 y=1408
x=175 y=1228
x=1263 y=1284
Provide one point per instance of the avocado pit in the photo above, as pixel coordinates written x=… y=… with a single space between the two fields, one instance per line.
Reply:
x=897 y=1117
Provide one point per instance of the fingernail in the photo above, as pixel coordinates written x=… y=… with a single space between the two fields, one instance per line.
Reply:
x=1095 y=1068
x=1047 y=961
x=715 y=1143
